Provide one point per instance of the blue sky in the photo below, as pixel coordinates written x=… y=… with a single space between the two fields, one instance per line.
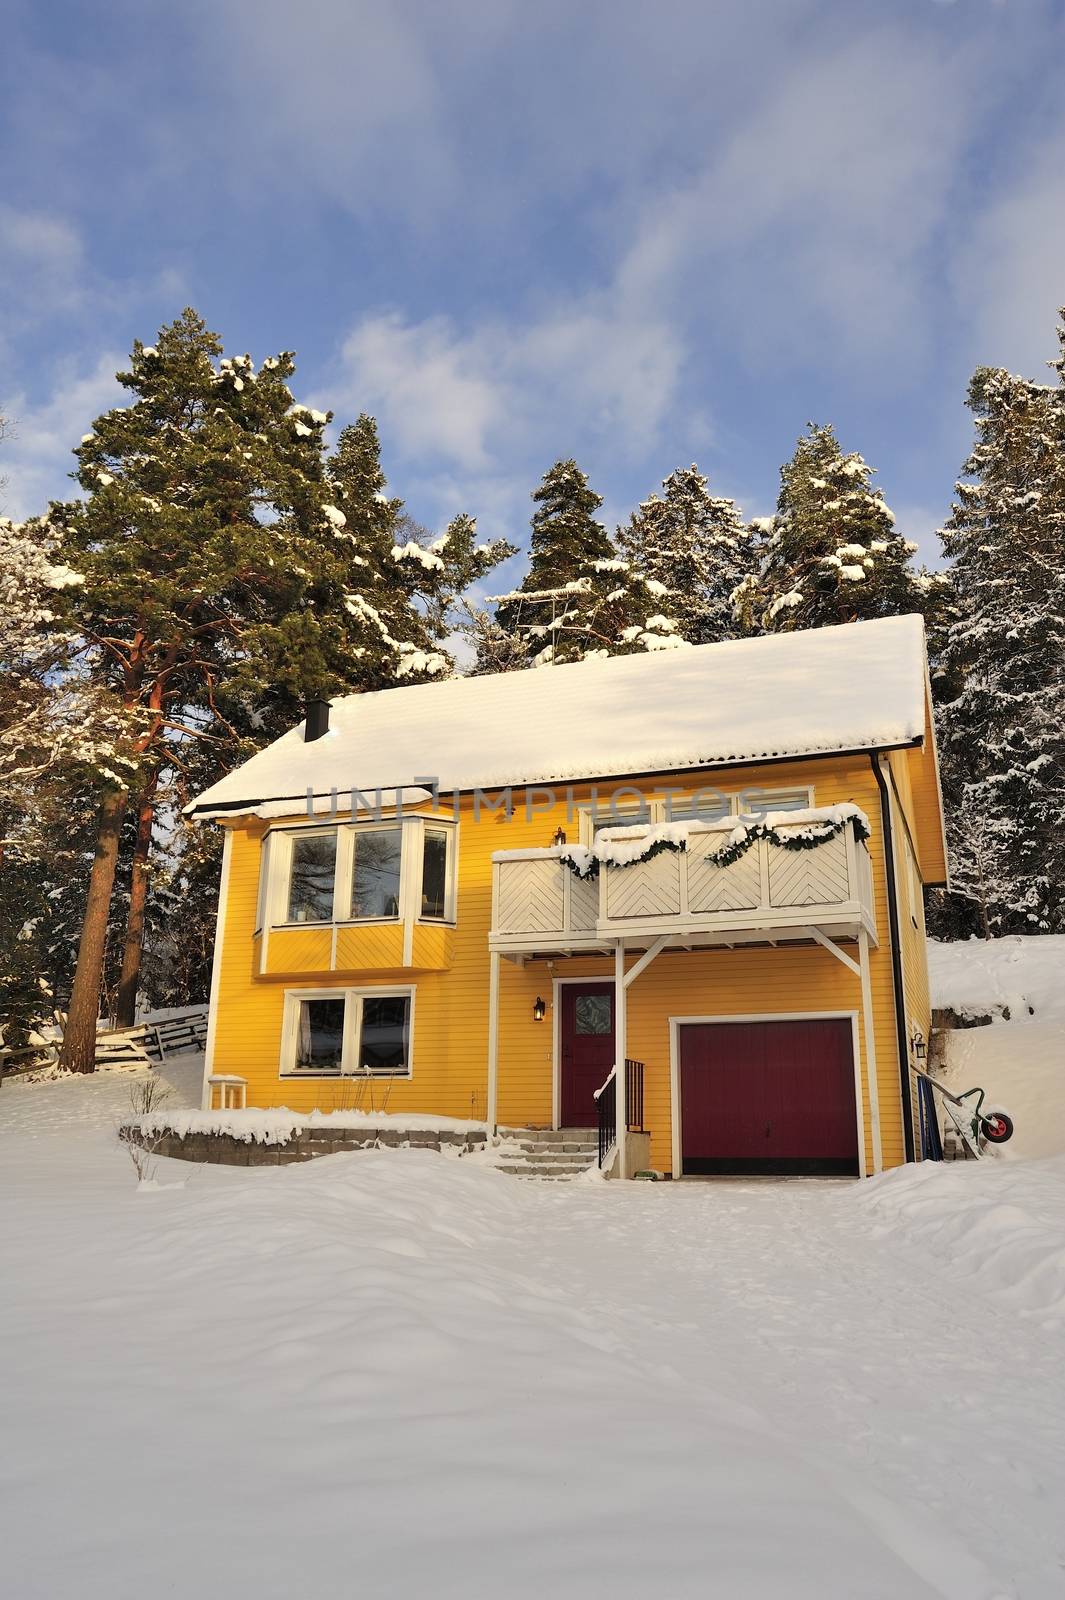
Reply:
x=638 y=233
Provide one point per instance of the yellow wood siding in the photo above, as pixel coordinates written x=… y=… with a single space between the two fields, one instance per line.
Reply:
x=926 y=803
x=449 y=971
x=912 y=938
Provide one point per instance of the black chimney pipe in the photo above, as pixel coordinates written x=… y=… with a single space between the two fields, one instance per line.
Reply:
x=317 y=720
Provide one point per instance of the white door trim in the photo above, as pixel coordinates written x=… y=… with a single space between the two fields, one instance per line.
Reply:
x=675 y=1025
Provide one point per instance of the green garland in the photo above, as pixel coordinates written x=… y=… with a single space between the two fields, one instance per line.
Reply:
x=591 y=872
x=733 y=851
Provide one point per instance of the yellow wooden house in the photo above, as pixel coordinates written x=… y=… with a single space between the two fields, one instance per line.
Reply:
x=678 y=895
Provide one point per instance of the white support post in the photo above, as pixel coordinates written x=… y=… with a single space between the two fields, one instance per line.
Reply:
x=493 y=1040
x=648 y=956
x=621 y=1113
x=870 y=1051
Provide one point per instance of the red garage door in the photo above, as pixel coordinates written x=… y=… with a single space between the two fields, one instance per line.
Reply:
x=768 y=1097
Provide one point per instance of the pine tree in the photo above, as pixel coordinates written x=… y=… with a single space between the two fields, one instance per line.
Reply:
x=697 y=546
x=1002 y=667
x=220 y=589
x=578 y=599
x=59 y=737
x=831 y=553
x=222 y=586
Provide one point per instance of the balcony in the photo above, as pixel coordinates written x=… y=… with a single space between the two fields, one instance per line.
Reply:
x=769 y=894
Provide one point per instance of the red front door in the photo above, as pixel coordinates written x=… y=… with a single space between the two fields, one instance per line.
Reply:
x=768 y=1097
x=587 y=1049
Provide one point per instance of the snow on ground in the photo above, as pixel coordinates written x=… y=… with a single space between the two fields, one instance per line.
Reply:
x=393 y=1375
x=1020 y=1063
x=1025 y=973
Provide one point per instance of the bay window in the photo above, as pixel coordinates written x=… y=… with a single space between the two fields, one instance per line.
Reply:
x=347 y=1033
x=399 y=871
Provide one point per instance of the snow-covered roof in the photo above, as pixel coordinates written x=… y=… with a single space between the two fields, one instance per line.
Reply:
x=855 y=687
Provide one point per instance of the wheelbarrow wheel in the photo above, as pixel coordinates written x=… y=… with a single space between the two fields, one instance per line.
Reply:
x=997 y=1128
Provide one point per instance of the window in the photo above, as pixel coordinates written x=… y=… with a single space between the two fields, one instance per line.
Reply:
x=384 y=1035
x=375 y=874
x=347 y=1032
x=361 y=872
x=626 y=814
x=320 y=1035
x=593 y=1013
x=760 y=802
x=705 y=806
x=311 y=873
x=434 y=874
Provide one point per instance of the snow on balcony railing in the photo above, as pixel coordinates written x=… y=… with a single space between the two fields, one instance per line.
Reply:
x=787 y=867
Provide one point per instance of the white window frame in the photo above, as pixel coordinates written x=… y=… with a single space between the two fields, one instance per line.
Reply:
x=353 y=998
x=275 y=874
x=761 y=793
x=346 y=852
x=451 y=834
x=659 y=806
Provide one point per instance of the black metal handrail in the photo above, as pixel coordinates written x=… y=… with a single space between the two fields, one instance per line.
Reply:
x=607 y=1102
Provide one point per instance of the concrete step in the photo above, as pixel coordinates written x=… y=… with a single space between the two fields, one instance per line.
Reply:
x=569 y=1147
x=530 y=1169
x=547 y=1159
x=578 y=1135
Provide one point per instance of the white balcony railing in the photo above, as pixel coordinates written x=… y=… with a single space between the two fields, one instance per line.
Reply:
x=539 y=903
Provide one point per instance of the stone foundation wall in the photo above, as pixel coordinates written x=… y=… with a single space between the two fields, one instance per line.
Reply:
x=304 y=1145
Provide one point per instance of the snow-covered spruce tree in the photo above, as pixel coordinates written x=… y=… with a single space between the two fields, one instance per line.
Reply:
x=697 y=546
x=609 y=611
x=1002 y=667
x=831 y=553
x=404 y=586
x=579 y=599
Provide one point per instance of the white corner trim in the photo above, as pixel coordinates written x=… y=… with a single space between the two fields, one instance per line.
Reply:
x=216 y=967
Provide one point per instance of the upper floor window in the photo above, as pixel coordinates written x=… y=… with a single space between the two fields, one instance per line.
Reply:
x=311 y=874
x=760 y=802
x=376 y=874
x=703 y=805
x=358 y=872
x=436 y=848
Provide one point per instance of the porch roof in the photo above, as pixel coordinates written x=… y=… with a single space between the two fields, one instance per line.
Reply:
x=854 y=687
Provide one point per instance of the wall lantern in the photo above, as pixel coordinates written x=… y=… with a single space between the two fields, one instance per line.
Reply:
x=560 y=836
x=539 y=1009
x=918 y=1044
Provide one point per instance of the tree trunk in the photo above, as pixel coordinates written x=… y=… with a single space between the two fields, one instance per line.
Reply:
x=129 y=981
x=79 y=1037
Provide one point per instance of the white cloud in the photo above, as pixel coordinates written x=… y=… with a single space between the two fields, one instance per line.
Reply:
x=464 y=400
x=36 y=456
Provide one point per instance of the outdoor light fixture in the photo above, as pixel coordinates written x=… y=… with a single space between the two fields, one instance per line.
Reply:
x=539 y=1009
x=560 y=836
x=918 y=1044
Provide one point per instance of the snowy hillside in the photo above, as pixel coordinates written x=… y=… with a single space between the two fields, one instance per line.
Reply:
x=393 y=1374
x=1020 y=1062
